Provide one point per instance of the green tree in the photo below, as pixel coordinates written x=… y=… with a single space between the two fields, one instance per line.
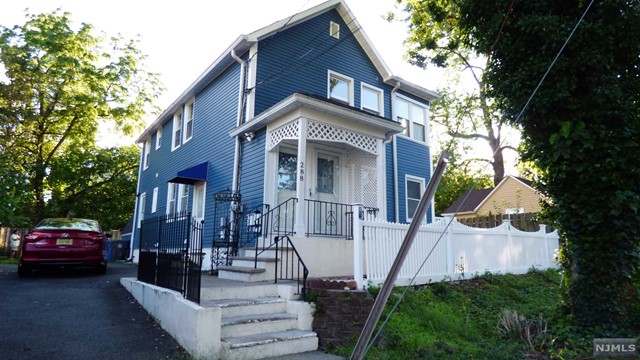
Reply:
x=98 y=183
x=470 y=114
x=59 y=86
x=581 y=129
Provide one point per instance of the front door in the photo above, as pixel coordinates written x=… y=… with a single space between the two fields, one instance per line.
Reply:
x=326 y=211
x=286 y=184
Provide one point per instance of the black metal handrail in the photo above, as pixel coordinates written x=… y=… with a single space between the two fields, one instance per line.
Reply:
x=289 y=264
x=276 y=222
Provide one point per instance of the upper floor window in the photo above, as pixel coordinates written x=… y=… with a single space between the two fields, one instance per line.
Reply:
x=188 y=121
x=177 y=130
x=158 y=138
x=142 y=207
x=334 y=30
x=340 y=88
x=147 y=153
x=413 y=117
x=371 y=99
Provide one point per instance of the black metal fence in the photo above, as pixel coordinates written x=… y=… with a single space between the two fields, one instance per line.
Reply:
x=171 y=253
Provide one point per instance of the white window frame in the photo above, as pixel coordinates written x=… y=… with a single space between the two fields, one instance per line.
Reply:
x=407 y=178
x=334 y=30
x=189 y=112
x=176 y=137
x=350 y=96
x=147 y=153
x=154 y=200
x=366 y=87
x=158 y=138
x=142 y=208
x=409 y=123
x=199 y=199
x=172 y=202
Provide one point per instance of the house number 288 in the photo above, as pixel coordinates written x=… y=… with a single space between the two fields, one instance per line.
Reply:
x=301 y=170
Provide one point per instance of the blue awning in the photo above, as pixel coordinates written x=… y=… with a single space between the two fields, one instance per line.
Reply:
x=192 y=175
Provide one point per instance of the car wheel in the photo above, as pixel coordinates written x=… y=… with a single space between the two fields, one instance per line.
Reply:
x=102 y=268
x=23 y=270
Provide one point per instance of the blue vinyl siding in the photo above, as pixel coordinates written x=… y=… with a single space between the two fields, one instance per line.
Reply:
x=298 y=59
x=414 y=160
x=252 y=173
x=215 y=115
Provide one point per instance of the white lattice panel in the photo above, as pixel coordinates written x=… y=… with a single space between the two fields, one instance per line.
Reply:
x=362 y=178
x=289 y=131
x=322 y=131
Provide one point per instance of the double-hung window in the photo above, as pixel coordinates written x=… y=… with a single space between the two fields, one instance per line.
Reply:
x=371 y=99
x=177 y=198
x=413 y=117
x=142 y=208
x=147 y=153
x=158 y=138
x=414 y=188
x=188 y=121
x=340 y=88
x=177 y=130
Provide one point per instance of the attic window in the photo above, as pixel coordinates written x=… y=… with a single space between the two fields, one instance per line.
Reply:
x=334 y=30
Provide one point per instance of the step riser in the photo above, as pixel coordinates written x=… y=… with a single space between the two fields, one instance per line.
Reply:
x=245 y=277
x=258 y=327
x=244 y=310
x=272 y=349
x=242 y=292
x=271 y=253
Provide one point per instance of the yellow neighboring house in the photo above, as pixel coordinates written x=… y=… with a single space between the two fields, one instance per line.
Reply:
x=513 y=195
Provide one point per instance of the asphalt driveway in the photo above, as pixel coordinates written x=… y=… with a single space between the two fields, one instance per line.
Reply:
x=73 y=314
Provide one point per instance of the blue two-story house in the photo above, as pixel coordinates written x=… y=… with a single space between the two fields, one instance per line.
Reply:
x=302 y=117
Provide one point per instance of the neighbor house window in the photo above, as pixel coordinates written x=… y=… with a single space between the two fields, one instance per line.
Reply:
x=141 y=208
x=188 y=121
x=198 y=200
x=371 y=99
x=413 y=117
x=334 y=30
x=154 y=200
x=177 y=130
x=414 y=189
x=158 y=138
x=147 y=153
x=340 y=88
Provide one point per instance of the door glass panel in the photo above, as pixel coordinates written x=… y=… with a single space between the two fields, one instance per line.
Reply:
x=325 y=175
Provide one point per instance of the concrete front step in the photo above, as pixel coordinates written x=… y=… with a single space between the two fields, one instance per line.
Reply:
x=247 y=291
x=243 y=273
x=244 y=307
x=234 y=326
x=269 y=344
x=262 y=252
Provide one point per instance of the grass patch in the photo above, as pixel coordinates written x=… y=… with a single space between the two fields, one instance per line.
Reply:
x=8 y=261
x=488 y=317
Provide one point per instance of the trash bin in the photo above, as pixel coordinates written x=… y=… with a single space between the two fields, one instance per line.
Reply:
x=119 y=250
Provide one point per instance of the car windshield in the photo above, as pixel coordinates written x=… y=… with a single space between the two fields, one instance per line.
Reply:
x=68 y=224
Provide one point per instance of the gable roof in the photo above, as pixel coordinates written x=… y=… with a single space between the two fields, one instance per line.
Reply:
x=244 y=43
x=471 y=200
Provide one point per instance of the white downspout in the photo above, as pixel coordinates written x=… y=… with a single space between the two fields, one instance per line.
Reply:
x=395 y=155
x=236 y=160
x=135 y=208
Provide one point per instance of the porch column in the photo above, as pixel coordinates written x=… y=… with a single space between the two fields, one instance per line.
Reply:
x=381 y=166
x=301 y=186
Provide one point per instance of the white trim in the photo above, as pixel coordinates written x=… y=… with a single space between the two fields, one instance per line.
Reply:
x=412 y=178
x=159 y=138
x=379 y=91
x=147 y=153
x=194 y=209
x=334 y=30
x=350 y=83
x=251 y=75
x=396 y=186
x=135 y=213
x=382 y=183
x=142 y=209
x=189 y=115
x=154 y=200
x=177 y=120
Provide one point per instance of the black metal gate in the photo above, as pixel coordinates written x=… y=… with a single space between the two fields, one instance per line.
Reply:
x=226 y=228
x=171 y=253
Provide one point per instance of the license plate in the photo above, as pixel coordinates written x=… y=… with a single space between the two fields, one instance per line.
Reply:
x=64 y=242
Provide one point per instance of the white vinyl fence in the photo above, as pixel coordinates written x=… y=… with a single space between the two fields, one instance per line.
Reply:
x=454 y=251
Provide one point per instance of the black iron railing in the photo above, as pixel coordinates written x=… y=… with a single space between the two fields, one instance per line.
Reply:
x=171 y=253
x=276 y=222
x=331 y=219
x=289 y=264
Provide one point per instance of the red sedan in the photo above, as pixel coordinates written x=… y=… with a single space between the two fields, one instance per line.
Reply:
x=64 y=242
